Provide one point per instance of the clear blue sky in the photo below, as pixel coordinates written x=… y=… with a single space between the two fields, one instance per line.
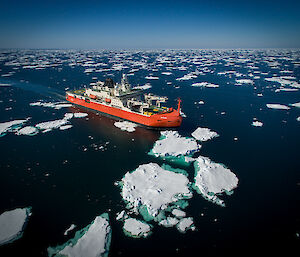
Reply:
x=149 y=24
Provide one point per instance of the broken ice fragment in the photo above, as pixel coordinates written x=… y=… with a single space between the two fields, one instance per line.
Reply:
x=169 y=222
x=204 y=134
x=257 y=124
x=212 y=179
x=125 y=125
x=91 y=241
x=136 y=228
x=12 y=224
x=186 y=224
x=80 y=115
x=28 y=130
x=278 y=106
x=10 y=125
x=69 y=229
x=49 y=125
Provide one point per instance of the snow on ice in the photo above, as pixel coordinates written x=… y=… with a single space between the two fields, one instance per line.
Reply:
x=12 y=224
x=136 y=228
x=125 y=126
x=278 y=106
x=212 y=179
x=91 y=241
x=151 y=190
x=204 y=134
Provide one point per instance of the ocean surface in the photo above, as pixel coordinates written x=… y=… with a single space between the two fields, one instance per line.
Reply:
x=69 y=176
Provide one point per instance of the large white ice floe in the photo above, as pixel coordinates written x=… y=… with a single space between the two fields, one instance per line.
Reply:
x=204 y=134
x=212 y=179
x=91 y=241
x=12 y=224
x=28 y=130
x=136 y=228
x=125 y=126
x=283 y=81
x=10 y=126
x=172 y=144
x=151 y=190
x=278 y=106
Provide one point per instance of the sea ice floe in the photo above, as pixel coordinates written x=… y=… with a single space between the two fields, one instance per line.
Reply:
x=65 y=127
x=278 y=106
x=151 y=77
x=49 y=125
x=283 y=81
x=296 y=105
x=212 y=179
x=5 y=85
x=244 y=81
x=11 y=126
x=125 y=126
x=298 y=118
x=136 y=228
x=187 y=77
x=186 y=224
x=91 y=241
x=178 y=213
x=12 y=224
x=171 y=144
x=204 y=134
x=72 y=226
x=169 y=222
x=57 y=105
x=28 y=130
x=151 y=190
x=144 y=87
x=257 y=123
x=205 y=84
x=79 y=114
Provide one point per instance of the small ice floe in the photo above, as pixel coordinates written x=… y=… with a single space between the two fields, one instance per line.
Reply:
x=144 y=87
x=212 y=179
x=79 y=114
x=65 y=127
x=57 y=105
x=171 y=143
x=49 y=125
x=205 y=84
x=298 y=119
x=178 y=213
x=204 y=134
x=257 y=123
x=244 y=81
x=69 y=229
x=296 y=105
x=259 y=95
x=5 y=85
x=278 y=106
x=125 y=126
x=91 y=241
x=121 y=215
x=186 y=224
x=68 y=115
x=28 y=130
x=182 y=113
x=166 y=73
x=136 y=228
x=10 y=126
x=187 y=77
x=12 y=224
x=169 y=222
x=151 y=190
x=151 y=77
x=284 y=82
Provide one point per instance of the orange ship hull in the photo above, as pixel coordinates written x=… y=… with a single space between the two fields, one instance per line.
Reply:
x=161 y=120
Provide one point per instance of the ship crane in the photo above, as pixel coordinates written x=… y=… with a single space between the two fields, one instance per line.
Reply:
x=159 y=99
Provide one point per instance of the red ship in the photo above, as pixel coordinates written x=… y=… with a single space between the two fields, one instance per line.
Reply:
x=121 y=101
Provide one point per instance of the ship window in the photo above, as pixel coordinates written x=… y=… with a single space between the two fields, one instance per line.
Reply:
x=87 y=100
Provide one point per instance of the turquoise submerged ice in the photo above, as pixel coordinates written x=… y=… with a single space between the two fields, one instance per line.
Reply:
x=12 y=224
x=212 y=179
x=152 y=191
x=91 y=241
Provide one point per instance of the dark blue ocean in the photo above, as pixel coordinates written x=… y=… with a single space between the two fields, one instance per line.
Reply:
x=68 y=176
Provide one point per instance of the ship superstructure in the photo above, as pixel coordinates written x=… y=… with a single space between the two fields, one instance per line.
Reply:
x=121 y=101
